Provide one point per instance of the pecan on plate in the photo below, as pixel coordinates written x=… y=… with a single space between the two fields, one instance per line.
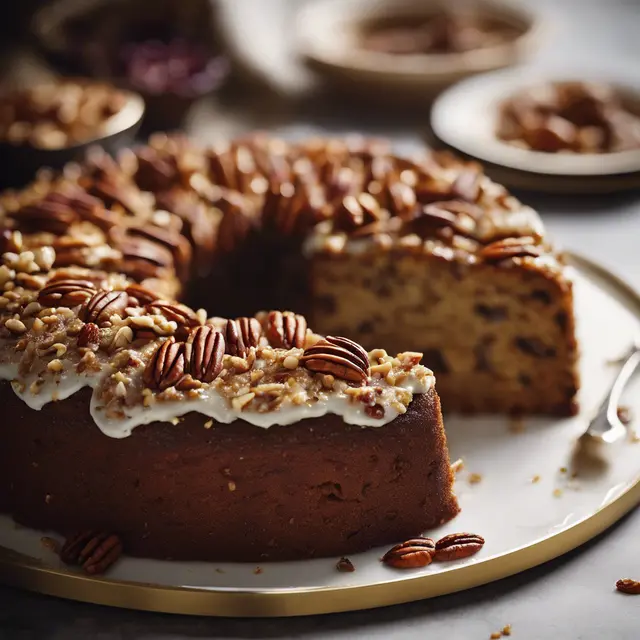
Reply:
x=510 y=248
x=103 y=305
x=286 y=329
x=627 y=585
x=344 y=565
x=339 y=357
x=204 y=351
x=94 y=551
x=242 y=334
x=66 y=293
x=414 y=553
x=458 y=545
x=167 y=365
x=89 y=335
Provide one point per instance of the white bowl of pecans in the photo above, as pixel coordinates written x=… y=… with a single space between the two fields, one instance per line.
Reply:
x=412 y=48
x=53 y=123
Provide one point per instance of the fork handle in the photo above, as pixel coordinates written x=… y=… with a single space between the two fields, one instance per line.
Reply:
x=607 y=416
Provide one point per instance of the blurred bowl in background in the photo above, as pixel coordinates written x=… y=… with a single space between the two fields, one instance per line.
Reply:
x=403 y=49
x=171 y=52
x=21 y=159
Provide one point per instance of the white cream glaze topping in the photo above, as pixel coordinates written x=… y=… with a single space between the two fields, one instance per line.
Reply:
x=41 y=357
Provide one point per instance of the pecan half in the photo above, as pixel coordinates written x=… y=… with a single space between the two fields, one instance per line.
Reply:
x=510 y=248
x=292 y=209
x=286 y=329
x=458 y=545
x=140 y=296
x=204 y=351
x=167 y=365
x=467 y=185
x=172 y=240
x=94 y=551
x=344 y=565
x=182 y=315
x=441 y=215
x=89 y=335
x=242 y=334
x=86 y=206
x=66 y=293
x=417 y=552
x=357 y=211
x=53 y=217
x=338 y=356
x=103 y=305
x=627 y=585
x=141 y=258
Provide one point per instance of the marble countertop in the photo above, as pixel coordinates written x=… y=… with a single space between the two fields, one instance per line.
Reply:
x=570 y=598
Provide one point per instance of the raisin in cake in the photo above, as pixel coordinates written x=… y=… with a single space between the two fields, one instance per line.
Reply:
x=204 y=438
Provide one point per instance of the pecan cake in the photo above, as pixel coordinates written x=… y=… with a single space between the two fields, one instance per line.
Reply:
x=203 y=438
x=422 y=253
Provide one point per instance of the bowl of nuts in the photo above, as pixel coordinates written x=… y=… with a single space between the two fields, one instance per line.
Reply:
x=412 y=48
x=51 y=124
x=565 y=122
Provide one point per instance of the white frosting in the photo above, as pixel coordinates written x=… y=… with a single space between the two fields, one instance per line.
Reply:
x=209 y=403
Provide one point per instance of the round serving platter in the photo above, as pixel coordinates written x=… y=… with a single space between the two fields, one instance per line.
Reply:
x=525 y=486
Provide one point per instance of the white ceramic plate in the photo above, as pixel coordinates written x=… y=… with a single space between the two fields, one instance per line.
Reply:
x=524 y=522
x=465 y=116
x=327 y=35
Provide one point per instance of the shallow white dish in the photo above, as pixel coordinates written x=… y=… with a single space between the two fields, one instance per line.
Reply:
x=328 y=38
x=525 y=521
x=464 y=117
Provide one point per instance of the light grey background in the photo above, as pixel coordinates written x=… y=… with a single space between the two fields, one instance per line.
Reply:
x=572 y=598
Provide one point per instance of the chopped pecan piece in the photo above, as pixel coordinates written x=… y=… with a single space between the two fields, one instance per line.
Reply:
x=94 y=551
x=458 y=545
x=167 y=365
x=204 y=351
x=286 y=329
x=89 y=335
x=103 y=305
x=510 y=248
x=338 y=356
x=66 y=293
x=417 y=552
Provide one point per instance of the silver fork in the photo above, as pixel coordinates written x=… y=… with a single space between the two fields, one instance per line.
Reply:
x=606 y=426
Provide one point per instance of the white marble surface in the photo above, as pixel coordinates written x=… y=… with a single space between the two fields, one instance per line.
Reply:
x=572 y=598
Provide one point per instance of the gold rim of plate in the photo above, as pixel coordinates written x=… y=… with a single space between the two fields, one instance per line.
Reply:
x=22 y=571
